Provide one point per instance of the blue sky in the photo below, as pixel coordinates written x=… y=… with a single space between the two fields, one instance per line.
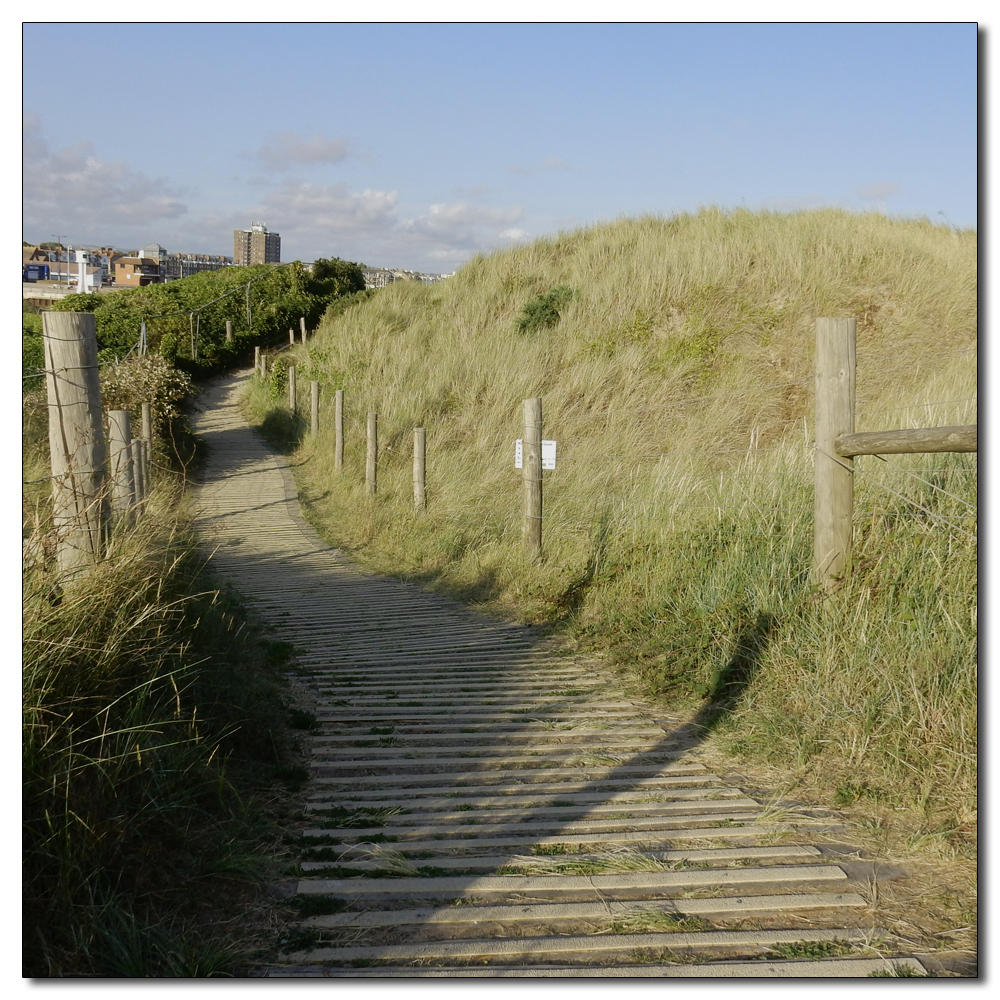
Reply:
x=418 y=145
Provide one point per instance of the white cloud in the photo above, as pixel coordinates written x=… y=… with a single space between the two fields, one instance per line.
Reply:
x=288 y=149
x=461 y=225
x=334 y=206
x=513 y=234
x=75 y=192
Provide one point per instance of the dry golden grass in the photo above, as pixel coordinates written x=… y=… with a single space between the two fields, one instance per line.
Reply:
x=678 y=526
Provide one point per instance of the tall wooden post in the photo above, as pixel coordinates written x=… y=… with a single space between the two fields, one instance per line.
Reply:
x=229 y=331
x=338 y=444
x=291 y=388
x=371 y=457
x=302 y=328
x=120 y=462
x=138 y=447
x=76 y=438
x=147 y=422
x=291 y=336
x=256 y=359
x=834 y=475
x=531 y=451
x=420 y=468
x=314 y=408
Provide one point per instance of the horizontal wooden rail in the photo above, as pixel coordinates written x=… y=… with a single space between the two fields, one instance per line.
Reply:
x=909 y=442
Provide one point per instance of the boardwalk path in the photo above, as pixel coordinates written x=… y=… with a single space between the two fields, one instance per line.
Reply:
x=483 y=804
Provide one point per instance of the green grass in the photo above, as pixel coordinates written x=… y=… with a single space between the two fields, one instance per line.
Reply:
x=152 y=721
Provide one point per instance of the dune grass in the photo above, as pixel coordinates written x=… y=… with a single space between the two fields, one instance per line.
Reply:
x=677 y=379
x=153 y=733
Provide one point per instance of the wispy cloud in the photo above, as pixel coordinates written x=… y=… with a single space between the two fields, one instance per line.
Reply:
x=300 y=204
x=76 y=191
x=320 y=220
x=530 y=169
x=289 y=149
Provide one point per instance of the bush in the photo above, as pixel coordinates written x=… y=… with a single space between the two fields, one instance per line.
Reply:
x=543 y=311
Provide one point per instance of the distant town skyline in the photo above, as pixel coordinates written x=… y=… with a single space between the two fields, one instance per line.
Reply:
x=417 y=145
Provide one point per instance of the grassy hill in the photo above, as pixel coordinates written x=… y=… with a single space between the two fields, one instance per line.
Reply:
x=674 y=360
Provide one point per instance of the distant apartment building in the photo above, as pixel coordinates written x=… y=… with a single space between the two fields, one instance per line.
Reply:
x=256 y=246
x=377 y=277
x=181 y=265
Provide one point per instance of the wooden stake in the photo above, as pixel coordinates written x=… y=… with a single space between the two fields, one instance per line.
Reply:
x=147 y=424
x=291 y=388
x=291 y=336
x=302 y=327
x=371 y=457
x=531 y=532
x=138 y=447
x=256 y=359
x=419 y=468
x=834 y=475
x=338 y=444
x=229 y=331
x=76 y=438
x=120 y=456
x=314 y=408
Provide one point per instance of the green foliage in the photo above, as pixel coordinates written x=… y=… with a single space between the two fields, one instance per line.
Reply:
x=544 y=310
x=32 y=351
x=336 y=277
x=149 y=721
x=278 y=297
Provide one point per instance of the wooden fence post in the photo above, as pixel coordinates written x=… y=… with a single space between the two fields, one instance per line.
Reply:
x=420 y=468
x=371 y=458
x=147 y=423
x=256 y=359
x=120 y=461
x=338 y=444
x=291 y=336
x=531 y=451
x=138 y=447
x=302 y=327
x=314 y=408
x=834 y=475
x=229 y=331
x=76 y=438
x=291 y=388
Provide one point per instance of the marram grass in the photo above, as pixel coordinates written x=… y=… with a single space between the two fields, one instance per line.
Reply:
x=148 y=715
x=677 y=381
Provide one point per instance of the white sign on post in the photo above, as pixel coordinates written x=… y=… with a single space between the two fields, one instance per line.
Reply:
x=548 y=454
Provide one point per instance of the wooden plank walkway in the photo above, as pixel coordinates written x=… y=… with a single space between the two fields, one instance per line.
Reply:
x=485 y=804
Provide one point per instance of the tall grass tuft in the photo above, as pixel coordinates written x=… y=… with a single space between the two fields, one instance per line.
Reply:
x=678 y=383
x=148 y=719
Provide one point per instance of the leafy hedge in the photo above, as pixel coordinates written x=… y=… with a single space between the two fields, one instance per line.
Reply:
x=262 y=302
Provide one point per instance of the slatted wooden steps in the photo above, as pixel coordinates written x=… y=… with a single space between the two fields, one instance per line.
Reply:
x=484 y=804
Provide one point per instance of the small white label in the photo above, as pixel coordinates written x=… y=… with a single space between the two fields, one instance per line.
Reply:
x=548 y=454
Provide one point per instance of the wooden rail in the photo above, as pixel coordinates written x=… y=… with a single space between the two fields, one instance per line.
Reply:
x=837 y=444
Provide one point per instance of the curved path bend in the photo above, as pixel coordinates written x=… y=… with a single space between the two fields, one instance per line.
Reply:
x=486 y=804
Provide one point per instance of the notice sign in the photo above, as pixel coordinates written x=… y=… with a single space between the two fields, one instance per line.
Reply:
x=548 y=454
